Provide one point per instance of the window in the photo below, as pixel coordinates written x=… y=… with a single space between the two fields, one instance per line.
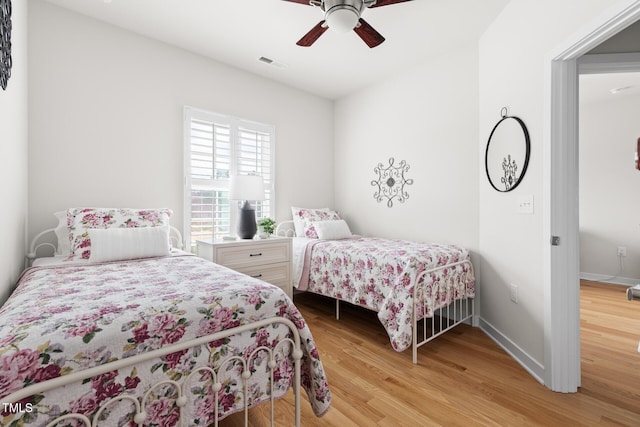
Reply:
x=218 y=147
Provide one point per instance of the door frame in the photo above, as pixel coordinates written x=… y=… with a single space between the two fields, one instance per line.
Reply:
x=560 y=193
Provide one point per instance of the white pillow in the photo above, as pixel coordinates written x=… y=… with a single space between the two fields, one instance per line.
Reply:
x=332 y=229
x=62 y=233
x=115 y=244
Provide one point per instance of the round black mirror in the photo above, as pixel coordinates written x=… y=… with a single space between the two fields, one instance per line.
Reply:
x=507 y=155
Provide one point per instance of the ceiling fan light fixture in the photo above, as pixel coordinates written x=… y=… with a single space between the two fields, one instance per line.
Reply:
x=342 y=18
x=619 y=89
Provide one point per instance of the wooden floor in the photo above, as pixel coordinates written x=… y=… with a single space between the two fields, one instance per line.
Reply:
x=463 y=378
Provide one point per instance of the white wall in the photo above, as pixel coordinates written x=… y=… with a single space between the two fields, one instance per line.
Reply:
x=96 y=102
x=609 y=202
x=13 y=157
x=512 y=71
x=106 y=119
x=427 y=116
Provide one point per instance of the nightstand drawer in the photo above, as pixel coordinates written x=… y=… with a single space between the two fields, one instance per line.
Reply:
x=266 y=259
x=273 y=273
x=236 y=257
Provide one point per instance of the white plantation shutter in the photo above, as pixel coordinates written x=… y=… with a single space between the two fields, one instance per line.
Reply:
x=254 y=156
x=210 y=150
x=216 y=148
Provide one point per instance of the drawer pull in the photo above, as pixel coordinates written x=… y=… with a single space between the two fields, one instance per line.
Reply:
x=258 y=254
x=257 y=276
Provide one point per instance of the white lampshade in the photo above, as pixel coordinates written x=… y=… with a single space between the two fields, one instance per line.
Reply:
x=247 y=187
x=342 y=18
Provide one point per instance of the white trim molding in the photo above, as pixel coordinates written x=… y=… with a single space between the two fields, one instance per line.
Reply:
x=609 y=280
x=560 y=186
x=522 y=357
x=609 y=63
x=562 y=290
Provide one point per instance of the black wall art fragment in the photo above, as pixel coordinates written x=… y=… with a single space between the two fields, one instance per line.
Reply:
x=5 y=42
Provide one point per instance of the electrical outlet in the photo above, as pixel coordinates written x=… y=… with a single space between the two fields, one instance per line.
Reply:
x=622 y=251
x=513 y=293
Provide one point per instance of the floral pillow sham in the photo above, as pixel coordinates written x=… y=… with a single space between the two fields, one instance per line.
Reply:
x=80 y=220
x=303 y=220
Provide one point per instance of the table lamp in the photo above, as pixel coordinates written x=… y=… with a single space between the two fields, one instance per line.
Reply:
x=246 y=188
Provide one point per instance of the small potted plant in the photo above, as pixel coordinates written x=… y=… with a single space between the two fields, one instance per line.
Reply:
x=266 y=227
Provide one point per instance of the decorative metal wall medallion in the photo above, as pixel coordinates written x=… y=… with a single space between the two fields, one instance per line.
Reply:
x=391 y=182
x=5 y=42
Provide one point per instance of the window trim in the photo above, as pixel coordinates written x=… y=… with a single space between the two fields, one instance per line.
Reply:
x=234 y=123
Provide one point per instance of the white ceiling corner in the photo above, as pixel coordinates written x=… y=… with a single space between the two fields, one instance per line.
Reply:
x=238 y=32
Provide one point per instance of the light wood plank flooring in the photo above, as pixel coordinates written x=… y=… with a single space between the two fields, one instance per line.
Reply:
x=463 y=378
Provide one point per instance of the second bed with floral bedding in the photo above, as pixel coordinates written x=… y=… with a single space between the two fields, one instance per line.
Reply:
x=405 y=282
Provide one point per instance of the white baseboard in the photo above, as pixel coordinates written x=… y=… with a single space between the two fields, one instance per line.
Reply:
x=527 y=362
x=532 y=366
x=617 y=280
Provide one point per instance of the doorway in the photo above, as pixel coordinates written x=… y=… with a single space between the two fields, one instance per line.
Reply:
x=561 y=215
x=609 y=129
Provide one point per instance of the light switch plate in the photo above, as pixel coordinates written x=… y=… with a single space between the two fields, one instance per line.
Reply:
x=525 y=204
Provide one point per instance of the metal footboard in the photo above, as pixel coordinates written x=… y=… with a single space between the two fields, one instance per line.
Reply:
x=289 y=344
x=460 y=310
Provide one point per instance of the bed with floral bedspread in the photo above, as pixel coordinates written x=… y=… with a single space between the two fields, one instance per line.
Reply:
x=388 y=276
x=65 y=318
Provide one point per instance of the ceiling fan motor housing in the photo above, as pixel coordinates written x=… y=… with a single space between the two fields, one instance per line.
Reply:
x=342 y=15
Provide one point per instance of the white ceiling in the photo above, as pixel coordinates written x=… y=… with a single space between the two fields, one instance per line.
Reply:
x=238 y=32
x=609 y=87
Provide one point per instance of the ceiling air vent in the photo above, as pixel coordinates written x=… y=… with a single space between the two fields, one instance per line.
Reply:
x=271 y=62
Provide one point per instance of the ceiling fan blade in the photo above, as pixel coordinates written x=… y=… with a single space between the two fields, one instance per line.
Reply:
x=366 y=32
x=300 y=1
x=313 y=35
x=384 y=2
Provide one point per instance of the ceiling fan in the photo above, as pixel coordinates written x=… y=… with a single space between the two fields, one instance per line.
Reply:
x=344 y=16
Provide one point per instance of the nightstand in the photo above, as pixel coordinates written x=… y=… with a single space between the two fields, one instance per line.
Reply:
x=266 y=259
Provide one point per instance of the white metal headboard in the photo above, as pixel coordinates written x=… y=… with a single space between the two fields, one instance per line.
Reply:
x=286 y=229
x=36 y=243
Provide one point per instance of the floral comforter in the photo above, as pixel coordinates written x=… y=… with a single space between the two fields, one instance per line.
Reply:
x=380 y=274
x=62 y=319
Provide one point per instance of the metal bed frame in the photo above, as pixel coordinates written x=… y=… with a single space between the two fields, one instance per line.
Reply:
x=181 y=388
x=444 y=319
x=175 y=237
x=459 y=311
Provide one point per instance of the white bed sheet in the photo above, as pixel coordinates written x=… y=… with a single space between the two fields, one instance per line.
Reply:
x=56 y=260
x=298 y=247
x=63 y=259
